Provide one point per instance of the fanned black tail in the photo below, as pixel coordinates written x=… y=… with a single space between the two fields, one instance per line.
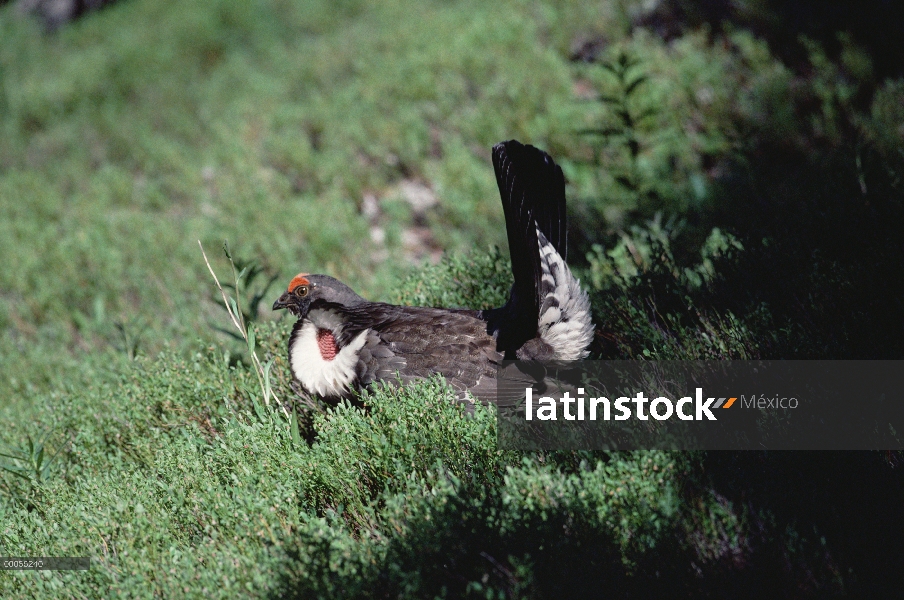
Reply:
x=532 y=187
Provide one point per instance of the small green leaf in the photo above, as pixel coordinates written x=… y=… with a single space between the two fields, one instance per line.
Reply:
x=296 y=434
x=649 y=112
x=633 y=85
x=267 y=388
x=15 y=456
x=16 y=471
x=258 y=409
x=39 y=458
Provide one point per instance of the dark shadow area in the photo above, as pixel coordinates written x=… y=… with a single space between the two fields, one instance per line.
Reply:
x=821 y=276
x=461 y=551
x=841 y=540
x=823 y=254
x=871 y=24
x=845 y=505
x=818 y=211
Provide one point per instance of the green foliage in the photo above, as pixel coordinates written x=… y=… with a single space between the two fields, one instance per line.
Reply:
x=150 y=476
x=623 y=119
x=764 y=192
x=264 y=124
x=730 y=205
x=248 y=287
x=659 y=117
x=30 y=463
x=651 y=303
x=172 y=479
x=475 y=280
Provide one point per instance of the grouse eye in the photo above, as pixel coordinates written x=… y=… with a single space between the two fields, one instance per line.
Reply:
x=301 y=291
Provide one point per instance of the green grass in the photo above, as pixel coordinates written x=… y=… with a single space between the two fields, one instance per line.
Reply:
x=136 y=131
x=752 y=209
x=174 y=484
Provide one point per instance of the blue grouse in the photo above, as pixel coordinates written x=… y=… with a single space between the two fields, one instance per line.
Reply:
x=342 y=343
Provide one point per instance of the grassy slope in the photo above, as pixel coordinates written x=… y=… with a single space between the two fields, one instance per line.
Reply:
x=135 y=132
x=147 y=126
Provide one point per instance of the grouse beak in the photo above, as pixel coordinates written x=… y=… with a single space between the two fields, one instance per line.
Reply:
x=282 y=301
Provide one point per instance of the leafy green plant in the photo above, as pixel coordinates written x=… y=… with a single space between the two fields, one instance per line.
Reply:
x=130 y=335
x=622 y=117
x=237 y=316
x=251 y=272
x=31 y=462
x=651 y=304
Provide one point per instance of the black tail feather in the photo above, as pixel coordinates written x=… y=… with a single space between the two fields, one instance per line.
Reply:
x=532 y=187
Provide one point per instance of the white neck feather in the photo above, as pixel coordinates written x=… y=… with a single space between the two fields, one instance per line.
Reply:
x=316 y=374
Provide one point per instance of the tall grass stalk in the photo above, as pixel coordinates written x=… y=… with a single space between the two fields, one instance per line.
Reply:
x=233 y=307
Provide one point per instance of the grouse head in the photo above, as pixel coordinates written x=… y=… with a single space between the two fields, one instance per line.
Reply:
x=306 y=290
